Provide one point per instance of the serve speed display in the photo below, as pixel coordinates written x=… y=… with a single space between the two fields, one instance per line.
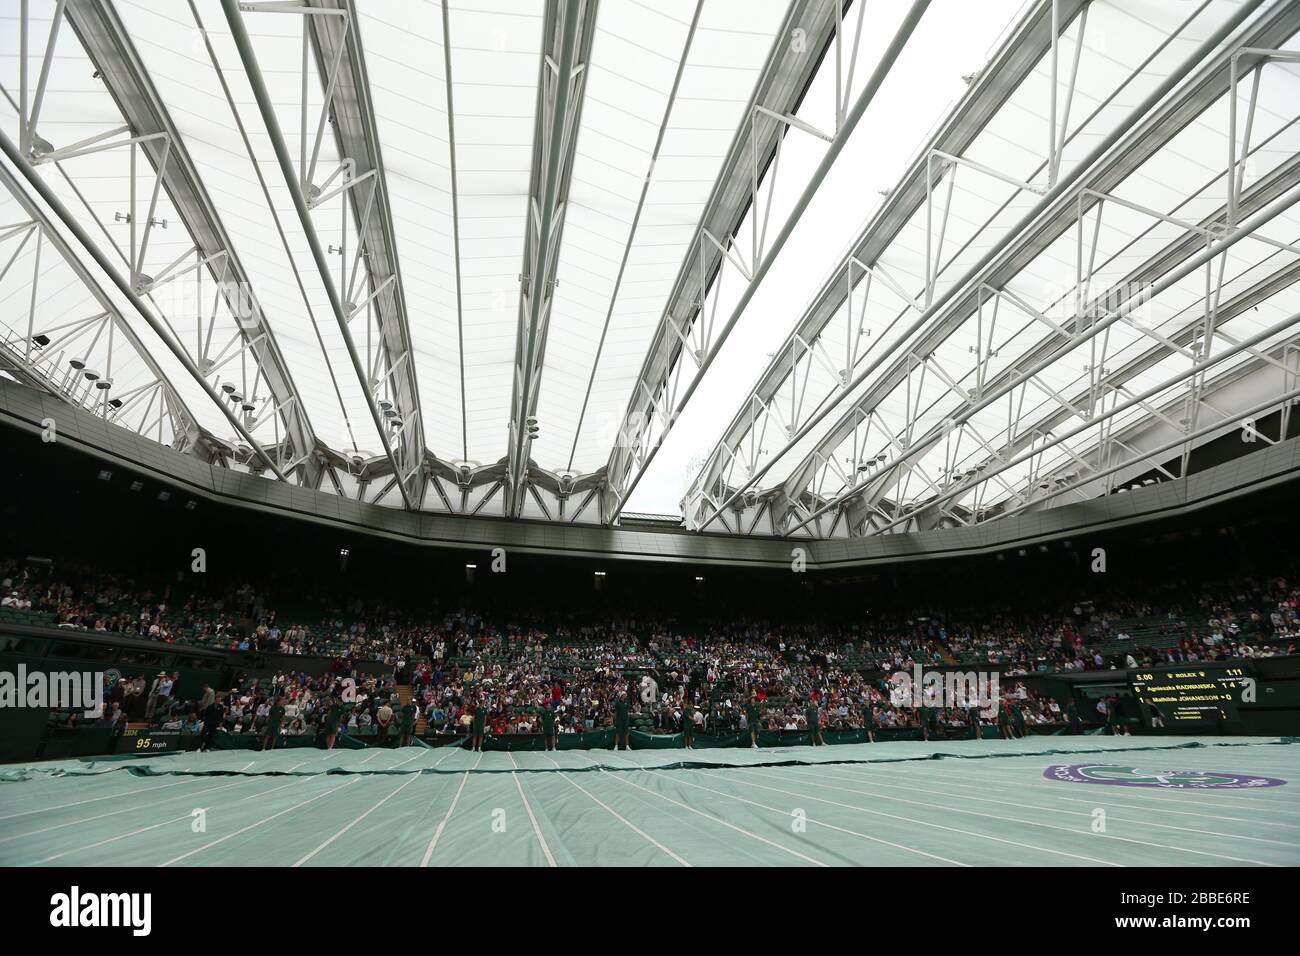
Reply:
x=1187 y=695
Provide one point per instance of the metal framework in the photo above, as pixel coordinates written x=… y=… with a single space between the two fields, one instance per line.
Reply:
x=327 y=31
x=181 y=418
x=74 y=360
x=924 y=387
x=798 y=506
x=569 y=27
x=688 y=339
x=110 y=51
x=146 y=134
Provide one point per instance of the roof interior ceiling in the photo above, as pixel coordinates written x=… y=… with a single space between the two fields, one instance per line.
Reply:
x=665 y=98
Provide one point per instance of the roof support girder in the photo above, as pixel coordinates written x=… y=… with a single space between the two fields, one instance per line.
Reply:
x=785 y=79
x=105 y=40
x=248 y=57
x=569 y=29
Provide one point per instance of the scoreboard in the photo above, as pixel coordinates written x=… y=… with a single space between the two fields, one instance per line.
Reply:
x=1191 y=695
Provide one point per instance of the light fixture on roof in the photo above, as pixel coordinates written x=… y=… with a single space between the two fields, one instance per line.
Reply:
x=40 y=340
x=228 y=388
x=191 y=505
x=164 y=495
x=105 y=475
x=137 y=485
x=530 y=423
x=90 y=374
x=114 y=403
x=104 y=384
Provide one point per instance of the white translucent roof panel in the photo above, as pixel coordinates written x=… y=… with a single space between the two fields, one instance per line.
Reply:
x=405 y=60
x=495 y=61
x=1128 y=52
x=635 y=55
x=96 y=190
x=725 y=59
x=173 y=52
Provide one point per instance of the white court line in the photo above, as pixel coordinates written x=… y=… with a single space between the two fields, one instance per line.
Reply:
x=251 y=826
x=1034 y=806
x=829 y=826
x=406 y=761
x=451 y=749
x=189 y=794
x=109 y=796
x=512 y=760
x=327 y=754
x=537 y=831
x=1045 y=826
x=631 y=826
x=371 y=757
x=709 y=816
x=437 y=834
x=414 y=777
x=934 y=826
x=123 y=836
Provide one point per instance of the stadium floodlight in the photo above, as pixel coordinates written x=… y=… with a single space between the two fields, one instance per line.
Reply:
x=137 y=485
x=105 y=475
x=164 y=496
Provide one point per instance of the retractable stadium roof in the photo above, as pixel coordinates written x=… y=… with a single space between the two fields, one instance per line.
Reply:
x=810 y=269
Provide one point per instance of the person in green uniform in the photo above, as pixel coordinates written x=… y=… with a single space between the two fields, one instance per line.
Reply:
x=923 y=721
x=271 y=732
x=479 y=725
x=688 y=725
x=549 y=738
x=869 y=720
x=753 y=717
x=621 y=735
x=407 y=724
x=1004 y=719
x=973 y=720
x=1113 y=722
x=1018 y=721
x=813 y=719
x=331 y=725
x=1076 y=722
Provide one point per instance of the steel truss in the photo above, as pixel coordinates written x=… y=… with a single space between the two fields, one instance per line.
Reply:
x=689 y=336
x=797 y=507
x=74 y=360
x=371 y=294
x=569 y=28
x=147 y=135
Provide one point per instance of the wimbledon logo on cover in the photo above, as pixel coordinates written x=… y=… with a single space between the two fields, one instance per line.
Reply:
x=1121 y=776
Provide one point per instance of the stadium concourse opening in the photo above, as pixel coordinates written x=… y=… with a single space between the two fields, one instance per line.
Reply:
x=609 y=433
